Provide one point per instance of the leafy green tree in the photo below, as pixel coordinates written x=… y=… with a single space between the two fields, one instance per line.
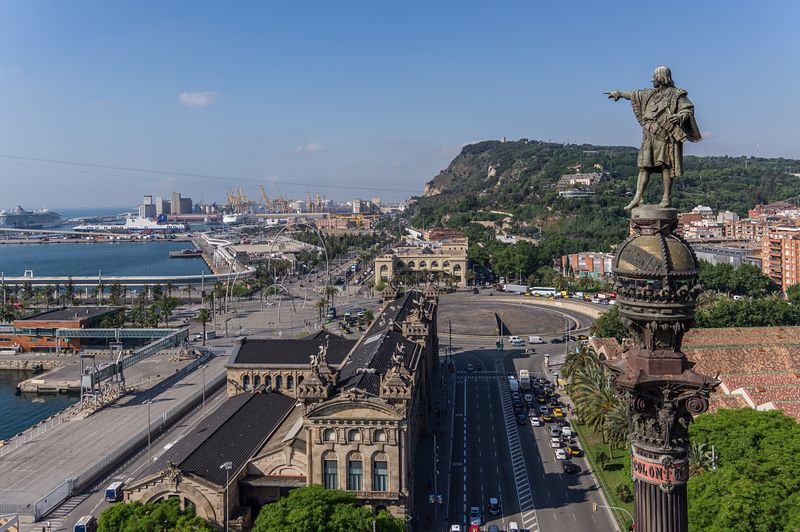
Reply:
x=319 y=509
x=756 y=486
x=609 y=325
x=793 y=294
x=161 y=516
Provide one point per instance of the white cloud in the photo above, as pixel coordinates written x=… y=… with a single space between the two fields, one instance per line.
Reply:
x=197 y=99
x=708 y=134
x=311 y=147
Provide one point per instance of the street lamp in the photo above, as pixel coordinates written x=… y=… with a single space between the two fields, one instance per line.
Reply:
x=227 y=466
x=148 y=403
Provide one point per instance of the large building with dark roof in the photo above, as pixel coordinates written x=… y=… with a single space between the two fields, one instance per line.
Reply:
x=350 y=418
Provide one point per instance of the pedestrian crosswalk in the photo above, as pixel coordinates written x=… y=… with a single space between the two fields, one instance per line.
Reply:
x=524 y=494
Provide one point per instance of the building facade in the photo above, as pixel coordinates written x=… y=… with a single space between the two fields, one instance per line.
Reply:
x=351 y=420
x=37 y=333
x=780 y=256
x=587 y=264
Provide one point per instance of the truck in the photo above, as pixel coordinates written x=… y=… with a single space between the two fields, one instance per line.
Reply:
x=524 y=379
x=515 y=288
x=513 y=385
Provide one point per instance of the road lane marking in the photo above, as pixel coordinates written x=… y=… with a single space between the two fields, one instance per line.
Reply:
x=524 y=494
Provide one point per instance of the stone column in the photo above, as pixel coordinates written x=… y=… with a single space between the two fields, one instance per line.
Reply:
x=656 y=281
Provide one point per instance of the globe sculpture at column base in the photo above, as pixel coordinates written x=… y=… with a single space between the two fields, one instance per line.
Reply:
x=656 y=281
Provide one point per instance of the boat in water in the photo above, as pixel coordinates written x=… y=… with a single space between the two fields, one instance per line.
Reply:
x=19 y=218
x=136 y=225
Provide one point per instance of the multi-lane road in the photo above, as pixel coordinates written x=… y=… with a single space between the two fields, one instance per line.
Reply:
x=486 y=453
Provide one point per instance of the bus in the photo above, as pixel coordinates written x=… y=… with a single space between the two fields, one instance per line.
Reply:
x=87 y=523
x=543 y=291
x=114 y=491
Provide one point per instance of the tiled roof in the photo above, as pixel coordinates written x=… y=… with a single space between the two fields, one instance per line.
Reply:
x=290 y=352
x=375 y=348
x=763 y=361
x=233 y=432
x=607 y=348
x=721 y=400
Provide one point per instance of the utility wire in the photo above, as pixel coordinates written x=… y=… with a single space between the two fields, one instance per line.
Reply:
x=227 y=179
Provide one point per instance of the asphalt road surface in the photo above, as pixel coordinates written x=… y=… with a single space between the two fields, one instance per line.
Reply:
x=490 y=455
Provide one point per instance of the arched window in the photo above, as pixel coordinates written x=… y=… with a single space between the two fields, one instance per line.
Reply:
x=267 y=381
x=384 y=268
x=446 y=264
x=380 y=472
x=423 y=264
x=457 y=268
x=379 y=435
x=289 y=382
x=278 y=382
x=300 y=380
x=256 y=381
x=412 y=264
x=246 y=382
x=330 y=471
x=355 y=473
x=354 y=435
x=328 y=435
x=435 y=264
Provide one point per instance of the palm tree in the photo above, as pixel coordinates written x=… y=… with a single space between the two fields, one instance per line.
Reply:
x=700 y=458
x=576 y=360
x=321 y=304
x=203 y=316
x=615 y=424
x=169 y=285
x=330 y=292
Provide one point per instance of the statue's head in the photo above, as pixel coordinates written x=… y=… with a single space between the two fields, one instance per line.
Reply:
x=662 y=77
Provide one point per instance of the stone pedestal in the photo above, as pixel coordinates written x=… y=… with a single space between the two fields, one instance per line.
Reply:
x=656 y=280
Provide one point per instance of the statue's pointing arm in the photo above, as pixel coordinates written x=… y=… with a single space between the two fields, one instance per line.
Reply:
x=616 y=95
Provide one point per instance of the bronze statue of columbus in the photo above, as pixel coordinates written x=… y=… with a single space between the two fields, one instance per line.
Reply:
x=667 y=119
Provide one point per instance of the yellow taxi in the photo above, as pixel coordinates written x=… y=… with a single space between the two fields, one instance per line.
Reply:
x=557 y=412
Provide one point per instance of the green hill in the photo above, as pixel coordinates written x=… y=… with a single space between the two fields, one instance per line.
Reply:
x=519 y=178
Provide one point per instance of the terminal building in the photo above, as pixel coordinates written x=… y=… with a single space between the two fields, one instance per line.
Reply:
x=37 y=333
x=322 y=410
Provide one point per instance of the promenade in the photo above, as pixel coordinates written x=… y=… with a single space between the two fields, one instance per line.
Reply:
x=72 y=449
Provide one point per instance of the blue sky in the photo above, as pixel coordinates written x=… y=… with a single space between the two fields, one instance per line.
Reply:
x=360 y=99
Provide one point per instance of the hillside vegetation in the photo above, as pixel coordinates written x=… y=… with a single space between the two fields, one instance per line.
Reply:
x=519 y=178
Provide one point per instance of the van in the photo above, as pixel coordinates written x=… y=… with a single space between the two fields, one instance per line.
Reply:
x=513 y=526
x=114 y=492
x=513 y=339
x=535 y=340
x=87 y=523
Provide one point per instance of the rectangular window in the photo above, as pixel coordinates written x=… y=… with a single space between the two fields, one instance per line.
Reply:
x=329 y=474
x=354 y=475
x=380 y=480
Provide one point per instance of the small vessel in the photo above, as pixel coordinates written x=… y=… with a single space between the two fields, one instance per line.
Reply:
x=19 y=218
x=185 y=253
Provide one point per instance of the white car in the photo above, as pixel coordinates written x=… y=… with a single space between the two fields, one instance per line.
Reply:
x=555 y=443
x=513 y=339
x=566 y=431
x=561 y=454
x=455 y=528
x=537 y=422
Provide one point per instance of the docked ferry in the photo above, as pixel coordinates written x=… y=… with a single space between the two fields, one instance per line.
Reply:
x=136 y=225
x=19 y=218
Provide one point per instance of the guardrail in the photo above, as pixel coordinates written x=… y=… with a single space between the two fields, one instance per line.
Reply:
x=96 y=471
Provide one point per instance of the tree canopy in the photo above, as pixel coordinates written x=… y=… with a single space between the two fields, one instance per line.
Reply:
x=609 y=325
x=756 y=486
x=161 y=516
x=746 y=280
x=314 y=508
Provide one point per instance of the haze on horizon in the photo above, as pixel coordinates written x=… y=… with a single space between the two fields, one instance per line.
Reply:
x=359 y=100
